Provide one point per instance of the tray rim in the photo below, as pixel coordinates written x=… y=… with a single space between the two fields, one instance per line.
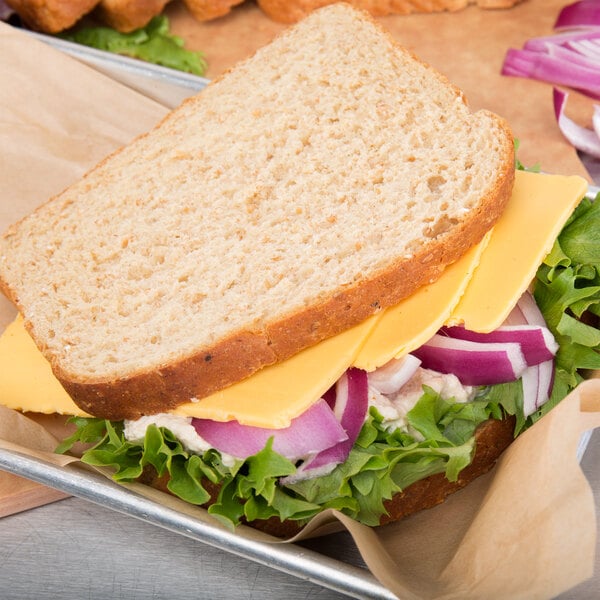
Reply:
x=292 y=559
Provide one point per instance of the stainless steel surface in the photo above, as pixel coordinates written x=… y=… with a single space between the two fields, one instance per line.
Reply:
x=292 y=559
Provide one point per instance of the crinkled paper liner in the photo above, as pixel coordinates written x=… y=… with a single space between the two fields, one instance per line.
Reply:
x=527 y=529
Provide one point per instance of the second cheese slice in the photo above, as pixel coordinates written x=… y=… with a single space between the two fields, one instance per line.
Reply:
x=538 y=209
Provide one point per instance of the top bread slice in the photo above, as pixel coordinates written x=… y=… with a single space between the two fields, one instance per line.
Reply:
x=326 y=177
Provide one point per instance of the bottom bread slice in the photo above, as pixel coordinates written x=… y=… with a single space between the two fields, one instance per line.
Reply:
x=492 y=437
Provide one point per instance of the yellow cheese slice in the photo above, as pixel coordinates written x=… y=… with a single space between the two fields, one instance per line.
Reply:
x=26 y=381
x=539 y=207
x=275 y=395
x=270 y=398
x=408 y=325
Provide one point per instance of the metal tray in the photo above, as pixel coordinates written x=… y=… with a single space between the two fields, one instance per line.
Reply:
x=300 y=561
x=167 y=86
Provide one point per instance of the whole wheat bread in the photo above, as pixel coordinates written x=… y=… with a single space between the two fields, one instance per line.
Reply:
x=326 y=177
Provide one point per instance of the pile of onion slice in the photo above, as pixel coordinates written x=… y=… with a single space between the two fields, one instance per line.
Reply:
x=322 y=436
x=569 y=58
x=523 y=348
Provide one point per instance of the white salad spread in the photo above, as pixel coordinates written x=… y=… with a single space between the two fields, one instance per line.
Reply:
x=394 y=407
x=180 y=427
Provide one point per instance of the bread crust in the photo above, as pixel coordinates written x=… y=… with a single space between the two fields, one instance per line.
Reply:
x=491 y=439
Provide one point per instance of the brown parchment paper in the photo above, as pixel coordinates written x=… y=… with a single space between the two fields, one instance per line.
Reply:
x=521 y=531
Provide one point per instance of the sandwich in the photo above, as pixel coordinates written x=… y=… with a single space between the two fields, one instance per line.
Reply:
x=307 y=288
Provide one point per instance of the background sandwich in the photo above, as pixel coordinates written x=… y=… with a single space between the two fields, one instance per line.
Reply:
x=110 y=398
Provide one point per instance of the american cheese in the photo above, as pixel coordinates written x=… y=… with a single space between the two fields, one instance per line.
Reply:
x=522 y=237
x=539 y=207
x=26 y=381
x=411 y=323
x=291 y=386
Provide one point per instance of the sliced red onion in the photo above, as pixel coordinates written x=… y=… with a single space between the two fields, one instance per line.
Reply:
x=596 y=120
x=351 y=405
x=537 y=380
x=389 y=378
x=580 y=137
x=544 y=66
x=537 y=343
x=537 y=386
x=586 y=48
x=585 y=13
x=527 y=312
x=571 y=53
x=312 y=432
x=564 y=38
x=474 y=363
x=570 y=57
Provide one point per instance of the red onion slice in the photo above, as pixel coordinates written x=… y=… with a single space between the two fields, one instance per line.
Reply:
x=580 y=137
x=596 y=120
x=537 y=343
x=389 y=378
x=474 y=363
x=585 y=13
x=312 y=432
x=569 y=54
x=544 y=66
x=526 y=312
x=564 y=38
x=537 y=380
x=537 y=386
x=586 y=48
x=351 y=405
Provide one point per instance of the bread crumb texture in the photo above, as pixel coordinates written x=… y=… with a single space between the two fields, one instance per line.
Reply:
x=329 y=157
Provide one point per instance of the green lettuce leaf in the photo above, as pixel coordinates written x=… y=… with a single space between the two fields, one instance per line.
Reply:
x=381 y=464
x=567 y=290
x=152 y=43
